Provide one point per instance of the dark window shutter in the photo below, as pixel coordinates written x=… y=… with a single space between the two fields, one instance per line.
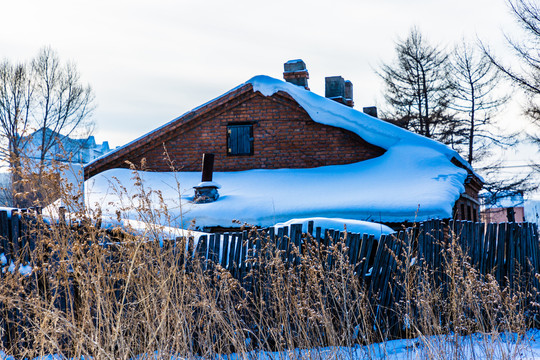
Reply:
x=240 y=139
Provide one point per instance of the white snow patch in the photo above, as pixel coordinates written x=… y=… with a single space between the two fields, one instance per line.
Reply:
x=11 y=268
x=24 y=270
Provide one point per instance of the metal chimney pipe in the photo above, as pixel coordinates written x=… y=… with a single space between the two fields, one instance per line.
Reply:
x=207 y=167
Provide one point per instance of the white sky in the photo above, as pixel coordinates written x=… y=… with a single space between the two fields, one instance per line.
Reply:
x=150 y=61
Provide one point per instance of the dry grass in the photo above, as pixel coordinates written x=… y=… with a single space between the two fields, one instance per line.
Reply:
x=96 y=294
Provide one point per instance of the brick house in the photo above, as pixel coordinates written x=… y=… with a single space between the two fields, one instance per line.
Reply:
x=246 y=129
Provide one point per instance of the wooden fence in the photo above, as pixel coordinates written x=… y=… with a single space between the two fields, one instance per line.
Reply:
x=508 y=251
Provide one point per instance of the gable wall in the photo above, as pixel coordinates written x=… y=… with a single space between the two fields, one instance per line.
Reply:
x=284 y=137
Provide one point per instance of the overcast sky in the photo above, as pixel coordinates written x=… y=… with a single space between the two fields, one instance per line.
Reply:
x=150 y=61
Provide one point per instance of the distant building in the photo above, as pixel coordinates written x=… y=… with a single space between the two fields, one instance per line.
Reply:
x=73 y=153
x=508 y=207
x=65 y=149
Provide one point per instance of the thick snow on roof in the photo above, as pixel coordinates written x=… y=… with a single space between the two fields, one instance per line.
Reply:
x=328 y=112
x=413 y=180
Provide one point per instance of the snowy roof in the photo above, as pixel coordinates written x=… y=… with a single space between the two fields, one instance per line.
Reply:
x=415 y=179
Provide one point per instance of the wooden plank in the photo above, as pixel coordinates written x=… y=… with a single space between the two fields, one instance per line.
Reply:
x=372 y=248
x=354 y=249
x=421 y=238
x=248 y=262
x=310 y=228
x=286 y=245
x=437 y=251
x=201 y=249
x=318 y=236
x=280 y=243
x=534 y=248
x=510 y=253
x=190 y=246
x=23 y=236
x=482 y=247
x=535 y=245
x=388 y=285
x=329 y=242
x=180 y=251
x=14 y=233
x=296 y=238
x=428 y=243
x=225 y=251
x=347 y=240
x=525 y=249
x=242 y=256
x=279 y=238
x=237 y=255
x=211 y=244
x=4 y=234
x=361 y=259
x=216 y=249
x=491 y=245
x=259 y=243
x=473 y=243
x=462 y=232
x=520 y=246
x=292 y=239
x=501 y=247
x=300 y=243
x=384 y=270
x=231 y=266
x=338 y=240
x=376 y=268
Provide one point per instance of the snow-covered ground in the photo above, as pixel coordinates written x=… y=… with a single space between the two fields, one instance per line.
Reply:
x=475 y=347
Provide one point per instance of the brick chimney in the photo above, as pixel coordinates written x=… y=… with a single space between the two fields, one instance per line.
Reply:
x=337 y=89
x=370 y=110
x=349 y=93
x=296 y=73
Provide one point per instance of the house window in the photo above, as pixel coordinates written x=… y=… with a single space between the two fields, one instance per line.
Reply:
x=240 y=139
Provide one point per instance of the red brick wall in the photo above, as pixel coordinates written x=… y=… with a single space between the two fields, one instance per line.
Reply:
x=284 y=137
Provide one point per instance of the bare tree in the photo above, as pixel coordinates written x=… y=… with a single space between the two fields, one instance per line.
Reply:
x=475 y=99
x=16 y=92
x=63 y=103
x=417 y=88
x=40 y=95
x=527 y=51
